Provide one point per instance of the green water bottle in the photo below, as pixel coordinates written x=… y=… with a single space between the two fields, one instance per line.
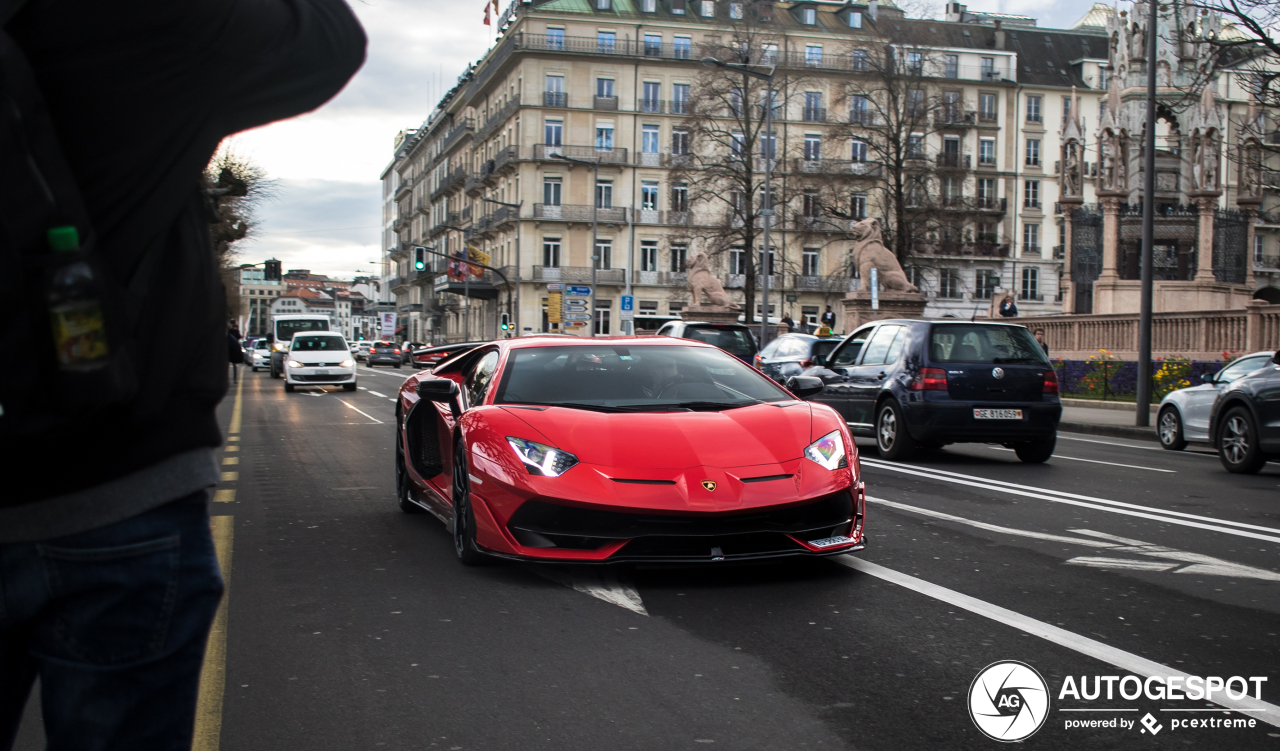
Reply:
x=75 y=311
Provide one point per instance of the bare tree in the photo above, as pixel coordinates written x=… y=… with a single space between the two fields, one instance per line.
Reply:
x=725 y=123
x=234 y=188
x=893 y=108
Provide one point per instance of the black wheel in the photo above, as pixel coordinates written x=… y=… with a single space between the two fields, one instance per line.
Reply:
x=1037 y=451
x=348 y=387
x=1238 y=443
x=1169 y=428
x=288 y=387
x=464 y=519
x=402 y=477
x=892 y=438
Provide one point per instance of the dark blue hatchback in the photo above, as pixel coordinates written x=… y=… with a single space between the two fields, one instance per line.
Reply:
x=916 y=384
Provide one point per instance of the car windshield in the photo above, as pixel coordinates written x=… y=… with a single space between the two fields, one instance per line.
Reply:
x=1240 y=368
x=261 y=344
x=979 y=343
x=640 y=378
x=286 y=329
x=312 y=343
x=735 y=341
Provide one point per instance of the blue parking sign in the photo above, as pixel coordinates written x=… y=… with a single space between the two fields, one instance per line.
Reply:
x=574 y=291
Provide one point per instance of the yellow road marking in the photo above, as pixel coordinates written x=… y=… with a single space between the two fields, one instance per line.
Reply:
x=234 y=427
x=226 y=495
x=230 y=476
x=233 y=438
x=208 y=730
x=230 y=460
x=232 y=446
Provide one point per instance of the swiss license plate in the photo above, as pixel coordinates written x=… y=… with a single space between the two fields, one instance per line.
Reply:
x=830 y=542
x=322 y=372
x=997 y=414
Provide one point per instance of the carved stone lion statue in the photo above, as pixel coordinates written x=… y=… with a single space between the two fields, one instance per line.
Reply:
x=869 y=252
x=702 y=281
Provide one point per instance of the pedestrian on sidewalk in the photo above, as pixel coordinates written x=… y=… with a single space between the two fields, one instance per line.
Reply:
x=829 y=318
x=109 y=580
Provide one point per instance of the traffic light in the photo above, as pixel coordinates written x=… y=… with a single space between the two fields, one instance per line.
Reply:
x=419 y=258
x=505 y=324
x=272 y=271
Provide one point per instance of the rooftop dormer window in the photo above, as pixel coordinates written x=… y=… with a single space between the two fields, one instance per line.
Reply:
x=855 y=19
x=808 y=16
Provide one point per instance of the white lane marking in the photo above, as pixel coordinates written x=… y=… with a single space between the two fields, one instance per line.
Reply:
x=1100 y=504
x=600 y=582
x=1096 y=461
x=1063 y=638
x=1184 y=562
x=375 y=393
x=1132 y=446
x=364 y=388
x=366 y=414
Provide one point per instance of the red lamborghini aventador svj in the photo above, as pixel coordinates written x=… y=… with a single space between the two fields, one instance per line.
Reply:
x=610 y=450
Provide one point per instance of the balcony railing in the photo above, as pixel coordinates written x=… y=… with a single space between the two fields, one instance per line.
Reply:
x=986 y=116
x=504 y=157
x=954 y=117
x=463 y=127
x=543 y=152
x=605 y=102
x=739 y=281
x=658 y=216
x=578 y=274
x=1271 y=263
x=570 y=212
x=837 y=166
x=1059 y=252
x=498 y=117
x=954 y=161
x=814 y=114
x=450 y=181
x=555 y=99
x=665 y=278
x=974 y=203
x=656 y=106
x=977 y=250
x=832 y=283
x=399 y=281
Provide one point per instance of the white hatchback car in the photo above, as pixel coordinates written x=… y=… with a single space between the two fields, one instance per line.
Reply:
x=1184 y=414
x=260 y=355
x=319 y=358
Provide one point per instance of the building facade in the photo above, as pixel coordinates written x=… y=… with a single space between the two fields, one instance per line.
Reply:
x=575 y=125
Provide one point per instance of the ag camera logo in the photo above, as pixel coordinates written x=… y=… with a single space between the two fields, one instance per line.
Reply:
x=1009 y=701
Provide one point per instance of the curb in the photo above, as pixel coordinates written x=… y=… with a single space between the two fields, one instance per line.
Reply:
x=1115 y=431
x=1099 y=404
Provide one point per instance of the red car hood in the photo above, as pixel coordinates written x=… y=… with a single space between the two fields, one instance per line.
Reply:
x=759 y=434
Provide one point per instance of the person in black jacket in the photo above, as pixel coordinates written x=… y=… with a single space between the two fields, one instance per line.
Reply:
x=110 y=581
x=1008 y=308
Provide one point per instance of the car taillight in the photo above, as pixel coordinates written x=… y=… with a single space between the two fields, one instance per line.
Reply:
x=395 y=351
x=806 y=363
x=1050 y=382
x=758 y=360
x=930 y=379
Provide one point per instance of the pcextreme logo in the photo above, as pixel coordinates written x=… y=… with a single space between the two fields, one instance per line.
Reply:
x=1009 y=701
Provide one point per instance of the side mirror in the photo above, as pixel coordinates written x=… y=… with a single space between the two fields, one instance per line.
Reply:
x=441 y=390
x=1276 y=357
x=805 y=386
x=1209 y=377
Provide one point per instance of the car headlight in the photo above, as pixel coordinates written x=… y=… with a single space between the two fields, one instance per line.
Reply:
x=828 y=451
x=347 y=363
x=295 y=364
x=279 y=347
x=541 y=459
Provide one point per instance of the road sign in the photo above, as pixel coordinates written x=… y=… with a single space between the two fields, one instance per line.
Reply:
x=628 y=309
x=576 y=325
x=575 y=308
x=555 y=307
x=555 y=287
x=875 y=290
x=577 y=317
x=576 y=301
x=578 y=291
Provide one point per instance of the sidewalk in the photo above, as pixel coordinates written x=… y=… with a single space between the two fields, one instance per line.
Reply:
x=1107 y=418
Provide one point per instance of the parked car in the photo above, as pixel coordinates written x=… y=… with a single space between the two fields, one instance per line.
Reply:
x=685 y=455
x=385 y=353
x=429 y=357
x=1183 y=415
x=1244 y=424
x=320 y=358
x=406 y=351
x=924 y=384
x=260 y=355
x=735 y=338
x=792 y=354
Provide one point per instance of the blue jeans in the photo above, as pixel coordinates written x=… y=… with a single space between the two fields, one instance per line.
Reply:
x=114 y=622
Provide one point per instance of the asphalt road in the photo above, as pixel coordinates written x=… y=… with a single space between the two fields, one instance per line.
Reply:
x=350 y=625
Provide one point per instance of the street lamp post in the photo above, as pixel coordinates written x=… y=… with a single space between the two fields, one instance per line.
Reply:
x=595 y=242
x=767 y=211
x=517 y=207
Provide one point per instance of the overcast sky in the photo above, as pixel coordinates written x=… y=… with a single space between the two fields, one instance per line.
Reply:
x=327 y=210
